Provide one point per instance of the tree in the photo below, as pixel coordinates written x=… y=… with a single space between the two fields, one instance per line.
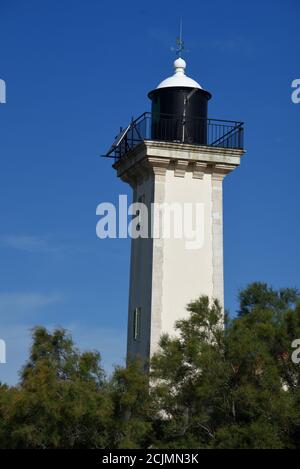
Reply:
x=235 y=387
x=62 y=400
x=191 y=379
x=133 y=407
x=262 y=296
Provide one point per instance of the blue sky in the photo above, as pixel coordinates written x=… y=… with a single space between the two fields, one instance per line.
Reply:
x=77 y=70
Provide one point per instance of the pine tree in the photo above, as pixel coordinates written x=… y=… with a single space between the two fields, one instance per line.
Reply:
x=61 y=401
x=233 y=387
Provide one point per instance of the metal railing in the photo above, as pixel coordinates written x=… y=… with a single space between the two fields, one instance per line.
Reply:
x=178 y=129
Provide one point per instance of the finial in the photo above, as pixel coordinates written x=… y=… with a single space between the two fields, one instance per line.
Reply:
x=179 y=66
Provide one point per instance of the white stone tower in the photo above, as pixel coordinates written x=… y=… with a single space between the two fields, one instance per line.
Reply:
x=175 y=155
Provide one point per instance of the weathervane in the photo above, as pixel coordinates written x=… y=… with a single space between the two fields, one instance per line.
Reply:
x=179 y=41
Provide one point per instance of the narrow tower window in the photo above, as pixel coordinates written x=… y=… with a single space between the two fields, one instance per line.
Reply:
x=137 y=323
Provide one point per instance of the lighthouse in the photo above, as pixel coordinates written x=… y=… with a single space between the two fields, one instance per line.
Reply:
x=175 y=156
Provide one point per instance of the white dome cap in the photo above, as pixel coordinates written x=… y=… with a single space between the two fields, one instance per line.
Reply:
x=179 y=78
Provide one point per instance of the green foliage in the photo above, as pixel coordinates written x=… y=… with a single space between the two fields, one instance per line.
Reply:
x=61 y=400
x=262 y=296
x=233 y=387
x=133 y=407
x=210 y=386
